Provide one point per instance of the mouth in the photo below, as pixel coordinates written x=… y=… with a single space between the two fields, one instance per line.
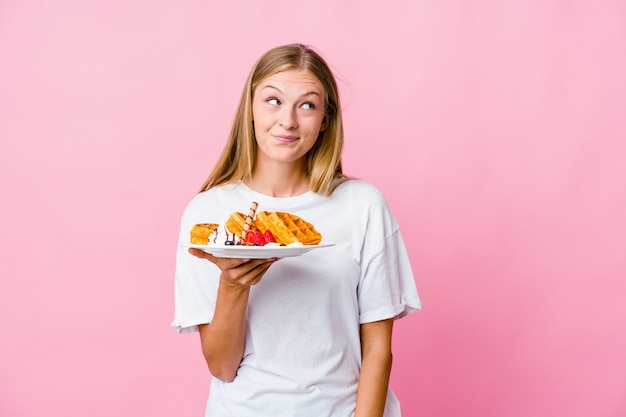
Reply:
x=285 y=138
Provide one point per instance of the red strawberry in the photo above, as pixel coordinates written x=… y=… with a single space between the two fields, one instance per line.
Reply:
x=268 y=236
x=245 y=241
x=255 y=237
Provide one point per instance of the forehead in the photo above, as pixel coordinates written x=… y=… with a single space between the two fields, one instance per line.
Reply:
x=296 y=81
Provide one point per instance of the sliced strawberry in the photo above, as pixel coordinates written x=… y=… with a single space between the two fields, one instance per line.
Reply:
x=256 y=238
x=268 y=236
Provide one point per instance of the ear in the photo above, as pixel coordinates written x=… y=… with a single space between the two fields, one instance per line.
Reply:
x=325 y=123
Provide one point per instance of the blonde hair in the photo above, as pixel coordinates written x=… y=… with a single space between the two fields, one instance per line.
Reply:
x=323 y=160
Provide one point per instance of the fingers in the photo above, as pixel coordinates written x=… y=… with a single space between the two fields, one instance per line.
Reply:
x=241 y=272
x=249 y=274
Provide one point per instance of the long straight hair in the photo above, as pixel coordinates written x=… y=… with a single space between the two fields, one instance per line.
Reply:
x=237 y=161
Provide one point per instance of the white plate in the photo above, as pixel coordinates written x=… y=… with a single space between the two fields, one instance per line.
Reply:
x=256 y=252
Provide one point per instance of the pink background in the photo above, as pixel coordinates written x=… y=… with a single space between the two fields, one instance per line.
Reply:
x=496 y=129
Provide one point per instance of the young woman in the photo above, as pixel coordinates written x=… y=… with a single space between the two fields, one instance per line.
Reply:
x=306 y=336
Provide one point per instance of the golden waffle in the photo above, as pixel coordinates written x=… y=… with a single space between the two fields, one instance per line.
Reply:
x=287 y=228
x=200 y=233
x=235 y=223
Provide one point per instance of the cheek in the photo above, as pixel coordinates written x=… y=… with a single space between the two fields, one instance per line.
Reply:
x=257 y=110
x=261 y=118
x=317 y=126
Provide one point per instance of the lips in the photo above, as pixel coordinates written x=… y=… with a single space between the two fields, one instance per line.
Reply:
x=285 y=138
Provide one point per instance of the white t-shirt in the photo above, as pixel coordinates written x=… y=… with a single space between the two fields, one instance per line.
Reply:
x=303 y=354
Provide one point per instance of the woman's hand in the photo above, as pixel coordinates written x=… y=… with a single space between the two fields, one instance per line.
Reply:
x=238 y=272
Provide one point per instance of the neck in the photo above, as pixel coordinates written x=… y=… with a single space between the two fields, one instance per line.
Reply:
x=280 y=180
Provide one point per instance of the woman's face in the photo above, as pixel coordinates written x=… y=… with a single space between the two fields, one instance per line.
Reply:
x=288 y=114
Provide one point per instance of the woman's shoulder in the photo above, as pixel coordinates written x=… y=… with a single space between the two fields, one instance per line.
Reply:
x=359 y=189
x=362 y=200
x=360 y=195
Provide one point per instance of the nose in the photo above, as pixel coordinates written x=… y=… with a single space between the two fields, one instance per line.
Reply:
x=288 y=119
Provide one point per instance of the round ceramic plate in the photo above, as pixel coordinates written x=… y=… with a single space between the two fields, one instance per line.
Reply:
x=256 y=252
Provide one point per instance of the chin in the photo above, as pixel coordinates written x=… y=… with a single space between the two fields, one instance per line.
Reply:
x=283 y=158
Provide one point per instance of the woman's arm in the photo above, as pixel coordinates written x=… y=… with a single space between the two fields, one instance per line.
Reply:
x=375 y=368
x=223 y=340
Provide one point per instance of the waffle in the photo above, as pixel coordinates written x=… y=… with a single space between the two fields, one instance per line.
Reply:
x=200 y=233
x=236 y=222
x=287 y=228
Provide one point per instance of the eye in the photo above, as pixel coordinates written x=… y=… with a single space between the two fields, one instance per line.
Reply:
x=308 y=106
x=273 y=101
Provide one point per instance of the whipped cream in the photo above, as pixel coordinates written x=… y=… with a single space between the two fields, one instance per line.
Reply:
x=221 y=235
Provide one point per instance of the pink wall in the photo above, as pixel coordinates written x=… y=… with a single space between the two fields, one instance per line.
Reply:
x=496 y=129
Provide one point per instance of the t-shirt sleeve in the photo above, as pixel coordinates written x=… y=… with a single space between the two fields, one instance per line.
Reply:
x=387 y=286
x=195 y=285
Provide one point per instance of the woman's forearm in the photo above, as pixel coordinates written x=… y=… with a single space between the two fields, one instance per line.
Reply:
x=375 y=369
x=223 y=340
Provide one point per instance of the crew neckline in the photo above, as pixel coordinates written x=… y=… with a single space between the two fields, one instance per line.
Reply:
x=292 y=201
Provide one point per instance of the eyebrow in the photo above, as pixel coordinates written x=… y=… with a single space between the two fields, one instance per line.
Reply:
x=308 y=93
